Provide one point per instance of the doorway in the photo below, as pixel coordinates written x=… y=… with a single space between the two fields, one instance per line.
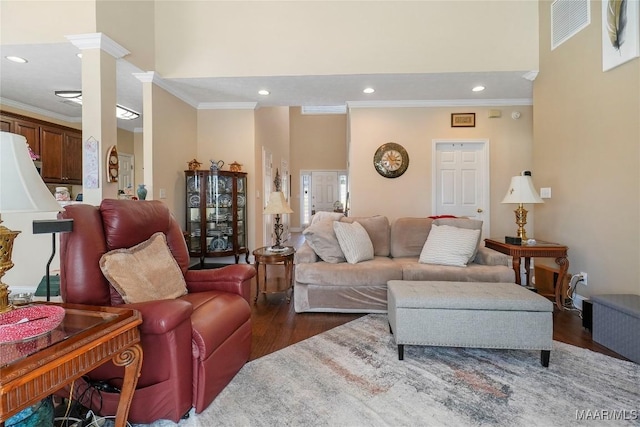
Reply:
x=461 y=180
x=321 y=190
x=125 y=178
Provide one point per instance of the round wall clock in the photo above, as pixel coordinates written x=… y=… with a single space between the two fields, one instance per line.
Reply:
x=112 y=164
x=391 y=160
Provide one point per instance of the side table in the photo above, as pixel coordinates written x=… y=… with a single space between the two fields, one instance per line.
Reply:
x=266 y=256
x=88 y=336
x=539 y=249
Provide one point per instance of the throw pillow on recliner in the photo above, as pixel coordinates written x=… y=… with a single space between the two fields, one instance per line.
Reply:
x=145 y=272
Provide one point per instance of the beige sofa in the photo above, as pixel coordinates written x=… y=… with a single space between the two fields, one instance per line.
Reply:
x=362 y=288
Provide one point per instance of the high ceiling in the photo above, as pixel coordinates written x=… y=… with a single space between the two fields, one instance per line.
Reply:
x=54 y=67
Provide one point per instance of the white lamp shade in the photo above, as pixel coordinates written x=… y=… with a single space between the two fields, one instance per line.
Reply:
x=521 y=190
x=21 y=187
x=277 y=204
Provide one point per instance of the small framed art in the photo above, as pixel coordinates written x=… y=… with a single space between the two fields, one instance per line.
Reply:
x=463 y=120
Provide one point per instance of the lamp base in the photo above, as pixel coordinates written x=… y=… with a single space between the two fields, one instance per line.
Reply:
x=6 y=248
x=521 y=221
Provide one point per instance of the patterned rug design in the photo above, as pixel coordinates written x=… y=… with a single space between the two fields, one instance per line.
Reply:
x=351 y=376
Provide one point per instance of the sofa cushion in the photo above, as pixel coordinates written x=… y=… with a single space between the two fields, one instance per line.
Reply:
x=408 y=236
x=322 y=239
x=366 y=273
x=378 y=229
x=145 y=272
x=354 y=241
x=468 y=223
x=413 y=270
x=447 y=245
x=324 y=216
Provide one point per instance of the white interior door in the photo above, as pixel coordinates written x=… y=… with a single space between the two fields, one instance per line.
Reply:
x=324 y=191
x=125 y=175
x=461 y=180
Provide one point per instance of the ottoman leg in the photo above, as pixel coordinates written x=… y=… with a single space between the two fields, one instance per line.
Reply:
x=544 y=358
x=400 y=351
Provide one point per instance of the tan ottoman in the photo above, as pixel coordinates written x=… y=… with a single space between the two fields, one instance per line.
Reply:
x=469 y=314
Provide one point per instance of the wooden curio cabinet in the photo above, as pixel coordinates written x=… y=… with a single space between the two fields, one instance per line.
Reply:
x=216 y=214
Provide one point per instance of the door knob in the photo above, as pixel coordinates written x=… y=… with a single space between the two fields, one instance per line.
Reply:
x=480 y=210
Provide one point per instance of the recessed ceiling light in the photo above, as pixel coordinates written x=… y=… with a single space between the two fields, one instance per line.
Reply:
x=263 y=92
x=16 y=59
x=478 y=89
x=369 y=90
x=68 y=93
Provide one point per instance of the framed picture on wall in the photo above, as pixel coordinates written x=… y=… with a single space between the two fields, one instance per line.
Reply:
x=620 y=33
x=463 y=120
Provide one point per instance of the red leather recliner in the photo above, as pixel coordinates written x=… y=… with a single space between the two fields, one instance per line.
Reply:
x=193 y=345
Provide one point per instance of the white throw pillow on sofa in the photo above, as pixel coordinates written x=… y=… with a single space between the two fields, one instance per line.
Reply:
x=447 y=245
x=354 y=241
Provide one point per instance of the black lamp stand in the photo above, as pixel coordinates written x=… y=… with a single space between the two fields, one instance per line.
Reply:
x=52 y=226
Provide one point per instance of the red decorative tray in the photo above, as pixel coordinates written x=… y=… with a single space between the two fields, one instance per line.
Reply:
x=29 y=322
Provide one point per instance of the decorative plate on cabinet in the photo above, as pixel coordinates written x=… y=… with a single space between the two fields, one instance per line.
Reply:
x=194 y=200
x=241 y=201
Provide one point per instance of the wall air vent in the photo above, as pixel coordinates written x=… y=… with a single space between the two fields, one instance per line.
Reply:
x=568 y=17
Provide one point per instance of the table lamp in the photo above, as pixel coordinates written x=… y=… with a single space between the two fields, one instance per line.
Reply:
x=277 y=206
x=21 y=190
x=521 y=191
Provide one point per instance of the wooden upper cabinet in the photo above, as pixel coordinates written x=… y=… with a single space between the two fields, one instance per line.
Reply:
x=59 y=147
x=72 y=159
x=30 y=130
x=52 y=153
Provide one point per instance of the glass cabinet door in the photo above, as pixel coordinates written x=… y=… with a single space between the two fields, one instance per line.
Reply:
x=194 y=226
x=216 y=214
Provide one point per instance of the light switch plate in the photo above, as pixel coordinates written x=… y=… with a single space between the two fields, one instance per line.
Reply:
x=162 y=193
x=545 y=192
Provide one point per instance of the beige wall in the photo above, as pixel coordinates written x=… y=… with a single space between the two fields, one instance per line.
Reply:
x=510 y=143
x=586 y=148
x=318 y=142
x=23 y=22
x=298 y=38
x=229 y=135
x=272 y=134
x=172 y=142
x=125 y=141
x=130 y=24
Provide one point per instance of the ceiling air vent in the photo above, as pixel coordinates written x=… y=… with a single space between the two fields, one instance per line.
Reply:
x=568 y=17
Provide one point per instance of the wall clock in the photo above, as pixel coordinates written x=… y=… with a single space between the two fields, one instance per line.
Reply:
x=112 y=164
x=391 y=160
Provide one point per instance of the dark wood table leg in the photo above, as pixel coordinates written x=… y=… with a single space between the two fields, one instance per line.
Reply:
x=527 y=269
x=516 y=268
x=131 y=359
x=563 y=262
x=257 y=264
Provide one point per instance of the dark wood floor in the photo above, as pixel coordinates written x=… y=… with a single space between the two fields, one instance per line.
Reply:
x=276 y=325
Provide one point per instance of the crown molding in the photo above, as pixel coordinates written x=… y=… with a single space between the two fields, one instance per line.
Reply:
x=155 y=78
x=98 y=41
x=531 y=75
x=40 y=111
x=227 y=105
x=137 y=130
x=440 y=103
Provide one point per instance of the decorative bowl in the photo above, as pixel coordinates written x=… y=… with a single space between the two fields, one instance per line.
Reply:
x=29 y=322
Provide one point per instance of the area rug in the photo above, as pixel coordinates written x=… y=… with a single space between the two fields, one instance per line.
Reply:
x=351 y=376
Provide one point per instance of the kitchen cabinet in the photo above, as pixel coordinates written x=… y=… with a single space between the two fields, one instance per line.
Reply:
x=30 y=130
x=59 y=147
x=61 y=155
x=216 y=214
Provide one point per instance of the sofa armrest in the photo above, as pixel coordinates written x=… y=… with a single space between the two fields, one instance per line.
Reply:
x=234 y=278
x=486 y=256
x=161 y=316
x=305 y=255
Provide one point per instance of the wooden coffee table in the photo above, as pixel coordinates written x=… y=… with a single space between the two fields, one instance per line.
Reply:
x=88 y=336
x=539 y=249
